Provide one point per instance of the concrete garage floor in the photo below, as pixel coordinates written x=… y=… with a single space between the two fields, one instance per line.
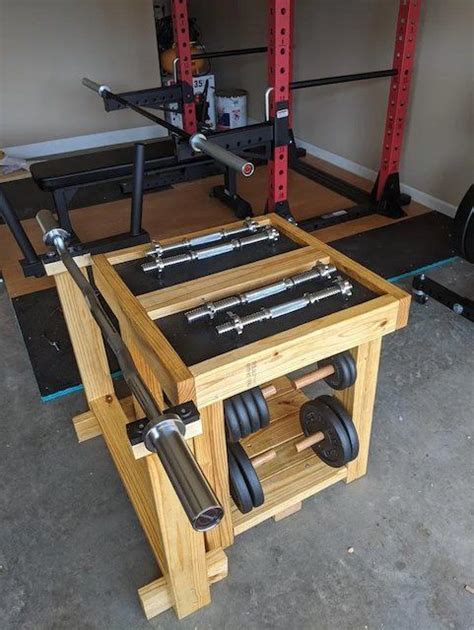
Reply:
x=72 y=553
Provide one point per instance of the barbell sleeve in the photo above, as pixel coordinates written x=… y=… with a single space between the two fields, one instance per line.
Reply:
x=94 y=86
x=164 y=432
x=200 y=143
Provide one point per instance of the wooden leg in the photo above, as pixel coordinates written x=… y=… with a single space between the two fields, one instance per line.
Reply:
x=359 y=402
x=179 y=550
x=86 y=339
x=211 y=453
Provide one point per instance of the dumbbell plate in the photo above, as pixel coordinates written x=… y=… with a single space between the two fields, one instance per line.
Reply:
x=238 y=486
x=262 y=405
x=248 y=399
x=345 y=372
x=335 y=450
x=346 y=420
x=249 y=474
x=242 y=415
x=232 y=424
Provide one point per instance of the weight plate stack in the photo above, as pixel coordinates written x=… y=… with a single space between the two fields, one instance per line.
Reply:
x=245 y=486
x=245 y=413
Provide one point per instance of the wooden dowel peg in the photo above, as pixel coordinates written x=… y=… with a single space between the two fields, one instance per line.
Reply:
x=309 y=441
x=313 y=377
x=259 y=460
x=269 y=391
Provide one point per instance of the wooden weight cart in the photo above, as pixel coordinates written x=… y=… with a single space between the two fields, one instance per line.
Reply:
x=191 y=561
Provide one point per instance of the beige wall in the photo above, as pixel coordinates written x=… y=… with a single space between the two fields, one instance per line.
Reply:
x=47 y=46
x=339 y=36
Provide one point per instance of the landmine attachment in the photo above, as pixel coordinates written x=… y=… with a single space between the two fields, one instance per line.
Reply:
x=248 y=412
x=164 y=432
x=159 y=249
x=339 y=287
x=210 y=309
x=329 y=431
x=160 y=264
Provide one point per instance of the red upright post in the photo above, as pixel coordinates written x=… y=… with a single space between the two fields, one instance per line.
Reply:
x=279 y=71
x=179 y=10
x=407 y=27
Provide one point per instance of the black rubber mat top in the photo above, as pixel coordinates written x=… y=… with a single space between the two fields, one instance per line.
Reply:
x=199 y=341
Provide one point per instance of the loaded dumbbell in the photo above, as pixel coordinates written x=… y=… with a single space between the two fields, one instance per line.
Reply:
x=338 y=371
x=248 y=412
x=245 y=486
x=329 y=431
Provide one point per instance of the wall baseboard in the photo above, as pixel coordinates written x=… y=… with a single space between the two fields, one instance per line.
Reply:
x=121 y=136
x=417 y=195
x=40 y=150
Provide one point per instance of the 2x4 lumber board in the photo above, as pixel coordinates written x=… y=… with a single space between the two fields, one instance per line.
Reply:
x=195 y=292
x=211 y=453
x=86 y=339
x=363 y=275
x=87 y=427
x=359 y=401
x=156 y=597
x=173 y=375
x=134 y=474
x=287 y=488
x=184 y=547
x=243 y=368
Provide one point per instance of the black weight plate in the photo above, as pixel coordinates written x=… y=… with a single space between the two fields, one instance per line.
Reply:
x=242 y=415
x=249 y=474
x=335 y=450
x=345 y=372
x=262 y=406
x=231 y=422
x=238 y=488
x=463 y=226
x=343 y=415
x=252 y=410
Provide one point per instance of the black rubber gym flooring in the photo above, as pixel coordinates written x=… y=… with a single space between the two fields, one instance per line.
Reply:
x=390 y=251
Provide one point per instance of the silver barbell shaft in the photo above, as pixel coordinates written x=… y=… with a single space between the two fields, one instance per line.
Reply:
x=200 y=143
x=340 y=286
x=267 y=234
x=210 y=309
x=164 y=432
x=248 y=226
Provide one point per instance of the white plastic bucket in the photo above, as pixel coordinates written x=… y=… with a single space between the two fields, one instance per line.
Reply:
x=231 y=107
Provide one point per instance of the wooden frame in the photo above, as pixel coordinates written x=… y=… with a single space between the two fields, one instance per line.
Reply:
x=191 y=561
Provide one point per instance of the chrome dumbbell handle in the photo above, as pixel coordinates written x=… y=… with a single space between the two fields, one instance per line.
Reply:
x=158 y=249
x=159 y=264
x=211 y=308
x=237 y=323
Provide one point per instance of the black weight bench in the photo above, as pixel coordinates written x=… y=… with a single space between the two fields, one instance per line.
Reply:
x=63 y=177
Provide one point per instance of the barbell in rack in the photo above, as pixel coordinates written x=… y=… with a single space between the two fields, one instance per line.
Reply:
x=269 y=234
x=158 y=249
x=209 y=310
x=339 y=287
